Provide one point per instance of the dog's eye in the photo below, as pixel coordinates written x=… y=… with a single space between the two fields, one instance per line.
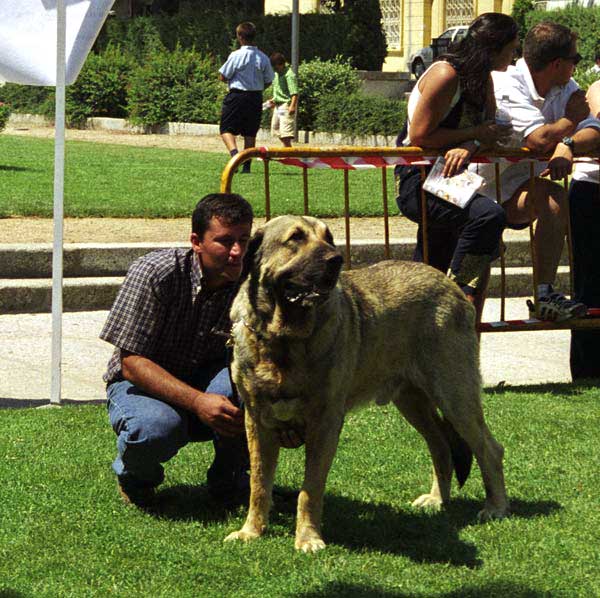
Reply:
x=297 y=235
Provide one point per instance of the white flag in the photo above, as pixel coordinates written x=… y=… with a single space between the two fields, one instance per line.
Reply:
x=28 y=38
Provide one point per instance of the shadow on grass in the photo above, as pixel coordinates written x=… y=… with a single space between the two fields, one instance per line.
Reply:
x=420 y=535
x=186 y=502
x=10 y=593
x=490 y=590
x=5 y=168
x=358 y=525
x=559 y=389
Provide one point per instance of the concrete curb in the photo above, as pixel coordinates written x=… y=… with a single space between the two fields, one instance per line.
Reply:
x=28 y=260
x=204 y=129
x=94 y=272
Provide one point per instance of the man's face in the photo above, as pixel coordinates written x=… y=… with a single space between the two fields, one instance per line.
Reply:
x=565 y=67
x=279 y=67
x=221 y=251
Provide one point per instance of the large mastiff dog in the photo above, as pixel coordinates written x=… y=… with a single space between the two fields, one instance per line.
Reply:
x=311 y=343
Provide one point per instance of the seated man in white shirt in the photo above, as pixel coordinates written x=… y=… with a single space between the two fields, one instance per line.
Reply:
x=549 y=114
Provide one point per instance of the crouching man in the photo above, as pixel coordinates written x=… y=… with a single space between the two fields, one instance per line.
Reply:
x=167 y=381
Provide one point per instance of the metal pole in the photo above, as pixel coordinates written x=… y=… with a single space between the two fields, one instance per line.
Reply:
x=295 y=35
x=295 y=50
x=59 y=180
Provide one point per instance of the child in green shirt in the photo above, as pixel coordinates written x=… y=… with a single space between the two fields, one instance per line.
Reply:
x=284 y=101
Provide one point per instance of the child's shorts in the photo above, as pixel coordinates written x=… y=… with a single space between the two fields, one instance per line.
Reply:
x=241 y=113
x=282 y=122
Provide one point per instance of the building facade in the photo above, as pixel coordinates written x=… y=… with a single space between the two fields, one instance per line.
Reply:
x=410 y=25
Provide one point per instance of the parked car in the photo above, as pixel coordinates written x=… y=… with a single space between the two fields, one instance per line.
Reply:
x=420 y=61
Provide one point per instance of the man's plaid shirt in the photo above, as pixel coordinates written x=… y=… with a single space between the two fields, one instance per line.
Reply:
x=161 y=312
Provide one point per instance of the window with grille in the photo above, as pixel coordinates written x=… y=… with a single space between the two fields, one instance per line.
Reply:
x=391 y=11
x=459 y=12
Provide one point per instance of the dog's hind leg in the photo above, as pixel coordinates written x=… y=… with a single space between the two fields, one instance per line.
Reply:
x=465 y=413
x=263 y=445
x=421 y=414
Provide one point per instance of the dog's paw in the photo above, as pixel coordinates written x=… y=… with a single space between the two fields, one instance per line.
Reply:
x=428 y=501
x=489 y=513
x=243 y=535
x=309 y=544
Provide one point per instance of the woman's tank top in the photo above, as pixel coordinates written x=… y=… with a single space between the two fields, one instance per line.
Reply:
x=451 y=119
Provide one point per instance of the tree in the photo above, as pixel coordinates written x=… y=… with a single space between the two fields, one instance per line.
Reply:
x=520 y=10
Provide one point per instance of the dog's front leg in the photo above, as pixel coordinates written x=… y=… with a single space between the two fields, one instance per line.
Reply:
x=263 y=445
x=321 y=444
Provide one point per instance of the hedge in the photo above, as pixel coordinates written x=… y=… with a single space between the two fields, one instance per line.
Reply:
x=584 y=21
x=181 y=86
x=175 y=86
x=101 y=88
x=4 y=114
x=317 y=79
x=357 y=115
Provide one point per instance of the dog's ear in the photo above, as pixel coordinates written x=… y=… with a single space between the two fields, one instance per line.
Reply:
x=329 y=236
x=252 y=254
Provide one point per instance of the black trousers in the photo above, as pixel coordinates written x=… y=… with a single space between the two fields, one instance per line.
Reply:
x=584 y=204
x=453 y=232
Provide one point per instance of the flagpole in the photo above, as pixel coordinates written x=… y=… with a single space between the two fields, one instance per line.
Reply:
x=59 y=179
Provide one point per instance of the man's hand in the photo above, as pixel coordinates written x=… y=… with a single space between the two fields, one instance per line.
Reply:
x=577 y=108
x=220 y=414
x=488 y=132
x=560 y=164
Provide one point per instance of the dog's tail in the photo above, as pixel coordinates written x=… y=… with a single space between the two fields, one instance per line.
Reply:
x=462 y=455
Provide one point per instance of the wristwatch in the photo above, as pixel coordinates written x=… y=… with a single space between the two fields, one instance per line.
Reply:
x=568 y=141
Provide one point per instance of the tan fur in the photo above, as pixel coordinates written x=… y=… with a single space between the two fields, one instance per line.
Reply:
x=309 y=346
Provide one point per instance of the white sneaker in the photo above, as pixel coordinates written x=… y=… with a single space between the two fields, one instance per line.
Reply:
x=555 y=307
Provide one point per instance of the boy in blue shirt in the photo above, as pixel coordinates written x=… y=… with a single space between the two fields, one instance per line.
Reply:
x=247 y=72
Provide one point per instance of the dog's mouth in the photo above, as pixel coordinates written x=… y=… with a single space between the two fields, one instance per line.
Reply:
x=312 y=283
x=305 y=296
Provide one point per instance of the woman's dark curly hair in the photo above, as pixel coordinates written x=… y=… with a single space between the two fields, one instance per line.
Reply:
x=472 y=55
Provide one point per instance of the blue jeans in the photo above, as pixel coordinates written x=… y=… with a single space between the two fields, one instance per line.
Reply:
x=150 y=431
x=455 y=234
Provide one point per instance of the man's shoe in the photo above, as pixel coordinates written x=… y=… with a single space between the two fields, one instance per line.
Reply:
x=555 y=307
x=138 y=497
x=230 y=487
x=246 y=168
x=227 y=478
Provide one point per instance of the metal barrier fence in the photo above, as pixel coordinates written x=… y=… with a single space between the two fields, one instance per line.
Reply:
x=358 y=158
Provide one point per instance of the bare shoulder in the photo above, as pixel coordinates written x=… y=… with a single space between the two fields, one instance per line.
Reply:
x=442 y=75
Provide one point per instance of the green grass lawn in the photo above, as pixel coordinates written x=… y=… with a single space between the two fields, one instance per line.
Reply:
x=65 y=532
x=124 y=181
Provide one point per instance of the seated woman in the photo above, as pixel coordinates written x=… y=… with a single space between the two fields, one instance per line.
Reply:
x=453 y=106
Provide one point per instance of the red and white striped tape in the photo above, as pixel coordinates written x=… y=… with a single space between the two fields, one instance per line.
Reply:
x=361 y=162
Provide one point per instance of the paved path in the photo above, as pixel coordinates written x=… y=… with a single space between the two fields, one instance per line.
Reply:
x=516 y=358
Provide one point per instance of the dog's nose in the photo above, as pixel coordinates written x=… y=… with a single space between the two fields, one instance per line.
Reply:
x=334 y=261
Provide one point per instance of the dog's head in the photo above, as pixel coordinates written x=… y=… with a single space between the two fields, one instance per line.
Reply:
x=294 y=261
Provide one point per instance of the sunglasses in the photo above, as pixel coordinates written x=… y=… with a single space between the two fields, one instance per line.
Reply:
x=574 y=58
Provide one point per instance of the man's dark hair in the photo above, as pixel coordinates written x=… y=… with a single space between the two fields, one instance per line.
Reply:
x=597 y=56
x=246 y=31
x=546 y=42
x=231 y=208
x=277 y=58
